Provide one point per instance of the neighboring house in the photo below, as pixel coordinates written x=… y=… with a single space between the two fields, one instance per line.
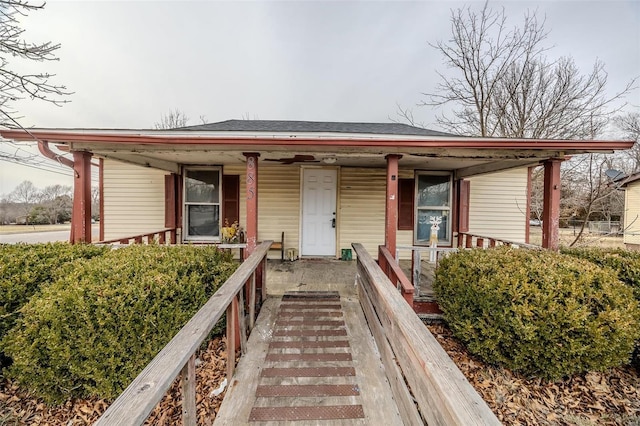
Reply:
x=324 y=184
x=631 y=185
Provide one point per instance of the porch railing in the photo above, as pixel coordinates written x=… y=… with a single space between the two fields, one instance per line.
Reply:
x=392 y=270
x=164 y=236
x=135 y=404
x=425 y=382
x=470 y=240
x=416 y=261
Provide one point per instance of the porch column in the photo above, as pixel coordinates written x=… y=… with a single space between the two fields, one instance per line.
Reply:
x=252 y=202
x=551 y=204
x=81 y=213
x=391 y=209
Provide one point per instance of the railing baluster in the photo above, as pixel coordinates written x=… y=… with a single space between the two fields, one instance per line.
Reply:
x=416 y=262
x=232 y=315
x=189 y=411
x=480 y=242
x=252 y=301
x=162 y=237
x=469 y=241
x=242 y=323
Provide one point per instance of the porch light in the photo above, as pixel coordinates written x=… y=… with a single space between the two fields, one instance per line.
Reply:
x=329 y=160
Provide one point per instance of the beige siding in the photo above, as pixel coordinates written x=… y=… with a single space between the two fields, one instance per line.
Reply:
x=497 y=205
x=278 y=202
x=133 y=199
x=632 y=213
x=362 y=201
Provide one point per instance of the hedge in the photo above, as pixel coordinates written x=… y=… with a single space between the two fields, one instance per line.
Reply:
x=539 y=313
x=96 y=327
x=24 y=268
x=626 y=264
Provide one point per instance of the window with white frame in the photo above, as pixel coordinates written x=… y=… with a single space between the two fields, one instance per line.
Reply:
x=202 y=196
x=433 y=198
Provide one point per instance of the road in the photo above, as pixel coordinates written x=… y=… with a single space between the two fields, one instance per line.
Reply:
x=41 y=237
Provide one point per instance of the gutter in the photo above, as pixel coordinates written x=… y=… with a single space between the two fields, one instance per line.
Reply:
x=43 y=146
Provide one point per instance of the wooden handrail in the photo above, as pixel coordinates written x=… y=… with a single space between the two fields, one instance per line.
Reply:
x=150 y=236
x=397 y=277
x=419 y=370
x=137 y=401
x=465 y=239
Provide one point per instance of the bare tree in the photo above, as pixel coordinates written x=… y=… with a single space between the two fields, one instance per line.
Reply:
x=55 y=201
x=26 y=195
x=503 y=85
x=174 y=119
x=629 y=124
x=15 y=85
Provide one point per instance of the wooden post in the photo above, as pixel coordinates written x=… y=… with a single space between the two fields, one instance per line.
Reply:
x=189 y=411
x=81 y=214
x=252 y=202
x=469 y=242
x=480 y=242
x=391 y=210
x=101 y=195
x=551 y=207
x=252 y=301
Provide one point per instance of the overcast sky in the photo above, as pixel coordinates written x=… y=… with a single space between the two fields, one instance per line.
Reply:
x=130 y=62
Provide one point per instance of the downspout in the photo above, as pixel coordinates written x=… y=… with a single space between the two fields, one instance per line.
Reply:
x=43 y=146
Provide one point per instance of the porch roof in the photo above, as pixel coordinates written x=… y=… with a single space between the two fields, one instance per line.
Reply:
x=340 y=144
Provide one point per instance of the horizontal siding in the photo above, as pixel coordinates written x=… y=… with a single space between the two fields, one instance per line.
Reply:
x=278 y=203
x=362 y=204
x=498 y=203
x=632 y=214
x=133 y=199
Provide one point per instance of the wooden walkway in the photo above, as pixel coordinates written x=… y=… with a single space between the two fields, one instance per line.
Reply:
x=311 y=360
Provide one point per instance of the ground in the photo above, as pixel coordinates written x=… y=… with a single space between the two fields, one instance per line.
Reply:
x=567 y=235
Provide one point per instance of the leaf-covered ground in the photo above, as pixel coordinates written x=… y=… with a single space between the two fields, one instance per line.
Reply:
x=610 y=398
x=18 y=408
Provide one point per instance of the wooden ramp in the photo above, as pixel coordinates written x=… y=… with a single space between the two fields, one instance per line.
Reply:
x=311 y=360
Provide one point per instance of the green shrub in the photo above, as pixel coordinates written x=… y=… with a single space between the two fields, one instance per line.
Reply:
x=538 y=312
x=24 y=268
x=94 y=329
x=626 y=264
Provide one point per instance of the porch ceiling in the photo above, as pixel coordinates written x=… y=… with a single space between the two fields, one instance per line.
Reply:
x=465 y=164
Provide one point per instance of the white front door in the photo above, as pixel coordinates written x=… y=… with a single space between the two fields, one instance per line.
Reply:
x=319 y=212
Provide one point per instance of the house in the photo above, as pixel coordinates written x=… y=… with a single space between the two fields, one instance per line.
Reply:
x=324 y=184
x=631 y=185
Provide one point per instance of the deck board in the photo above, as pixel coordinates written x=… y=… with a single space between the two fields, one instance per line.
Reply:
x=324 y=385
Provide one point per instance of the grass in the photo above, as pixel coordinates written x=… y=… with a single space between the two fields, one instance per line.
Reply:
x=587 y=239
x=22 y=229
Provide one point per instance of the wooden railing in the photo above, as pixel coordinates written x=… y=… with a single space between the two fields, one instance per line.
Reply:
x=164 y=236
x=135 y=404
x=426 y=383
x=468 y=240
x=392 y=270
x=416 y=261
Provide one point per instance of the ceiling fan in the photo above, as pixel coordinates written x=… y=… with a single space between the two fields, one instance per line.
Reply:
x=295 y=159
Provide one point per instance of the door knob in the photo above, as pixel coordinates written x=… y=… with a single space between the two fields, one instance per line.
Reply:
x=333 y=222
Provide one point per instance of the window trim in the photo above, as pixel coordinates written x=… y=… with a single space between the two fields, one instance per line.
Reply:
x=186 y=204
x=449 y=208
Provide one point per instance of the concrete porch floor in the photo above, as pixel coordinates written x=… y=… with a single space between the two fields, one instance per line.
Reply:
x=330 y=275
x=311 y=275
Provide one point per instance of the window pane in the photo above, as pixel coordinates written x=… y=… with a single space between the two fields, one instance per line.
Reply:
x=203 y=221
x=433 y=190
x=202 y=186
x=424 y=225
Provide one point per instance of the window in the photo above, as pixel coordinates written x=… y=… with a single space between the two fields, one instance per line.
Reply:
x=202 y=197
x=433 y=198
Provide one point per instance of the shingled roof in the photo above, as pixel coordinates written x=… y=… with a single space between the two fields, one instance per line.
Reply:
x=281 y=126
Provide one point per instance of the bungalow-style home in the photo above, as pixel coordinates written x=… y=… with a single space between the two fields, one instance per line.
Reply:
x=324 y=184
x=631 y=185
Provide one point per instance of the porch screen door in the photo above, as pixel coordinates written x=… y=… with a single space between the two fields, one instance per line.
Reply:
x=319 y=212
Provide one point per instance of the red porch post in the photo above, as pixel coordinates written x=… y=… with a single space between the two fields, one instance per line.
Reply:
x=252 y=202
x=81 y=214
x=391 y=208
x=551 y=204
